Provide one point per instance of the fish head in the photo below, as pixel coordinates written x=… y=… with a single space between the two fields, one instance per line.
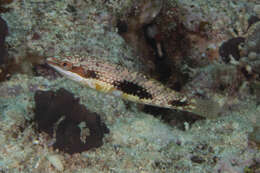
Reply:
x=68 y=67
x=60 y=64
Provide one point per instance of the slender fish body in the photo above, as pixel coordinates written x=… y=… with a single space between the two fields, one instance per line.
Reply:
x=114 y=79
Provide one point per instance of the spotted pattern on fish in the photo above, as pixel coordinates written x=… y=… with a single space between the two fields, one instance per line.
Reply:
x=115 y=79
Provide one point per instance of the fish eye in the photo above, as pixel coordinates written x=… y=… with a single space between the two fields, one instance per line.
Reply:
x=65 y=64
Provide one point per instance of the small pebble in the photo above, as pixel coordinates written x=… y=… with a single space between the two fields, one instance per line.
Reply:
x=252 y=55
x=257 y=9
x=197 y=159
x=149 y=10
x=152 y=31
x=56 y=162
x=243 y=59
x=251 y=45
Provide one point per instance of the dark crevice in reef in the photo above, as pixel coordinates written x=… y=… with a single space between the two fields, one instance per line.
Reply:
x=59 y=115
x=3 y=52
x=172 y=117
x=121 y=26
x=165 y=51
x=167 y=46
x=153 y=39
x=161 y=49
x=3 y=34
x=161 y=61
x=252 y=20
x=166 y=68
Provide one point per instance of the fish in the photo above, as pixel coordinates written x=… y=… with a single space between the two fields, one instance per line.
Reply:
x=121 y=82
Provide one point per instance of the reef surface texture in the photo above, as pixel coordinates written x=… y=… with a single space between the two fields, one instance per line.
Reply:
x=209 y=49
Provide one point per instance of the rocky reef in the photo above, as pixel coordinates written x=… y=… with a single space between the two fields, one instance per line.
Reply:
x=205 y=49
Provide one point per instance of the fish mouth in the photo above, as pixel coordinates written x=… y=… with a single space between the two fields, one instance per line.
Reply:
x=51 y=61
x=54 y=64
